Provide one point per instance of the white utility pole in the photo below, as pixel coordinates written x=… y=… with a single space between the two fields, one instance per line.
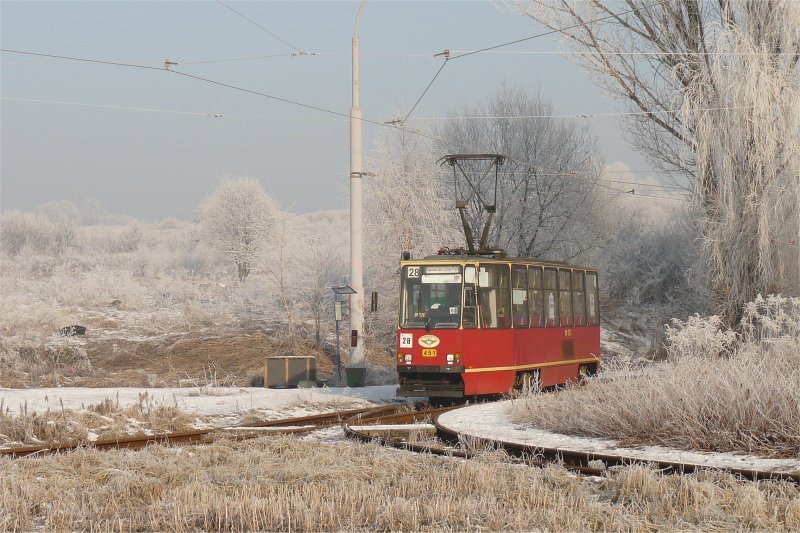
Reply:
x=357 y=358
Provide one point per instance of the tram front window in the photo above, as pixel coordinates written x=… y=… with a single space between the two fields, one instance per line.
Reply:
x=431 y=297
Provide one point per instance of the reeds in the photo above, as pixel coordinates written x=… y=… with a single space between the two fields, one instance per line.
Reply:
x=97 y=421
x=284 y=483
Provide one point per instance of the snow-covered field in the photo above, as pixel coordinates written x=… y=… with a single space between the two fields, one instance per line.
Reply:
x=202 y=401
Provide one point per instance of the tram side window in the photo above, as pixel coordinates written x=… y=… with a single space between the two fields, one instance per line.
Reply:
x=535 y=297
x=519 y=296
x=493 y=296
x=551 y=297
x=592 y=299
x=565 y=296
x=578 y=298
x=470 y=318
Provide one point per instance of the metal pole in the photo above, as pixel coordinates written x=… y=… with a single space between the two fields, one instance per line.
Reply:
x=336 y=321
x=338 y=353
x=357 y=359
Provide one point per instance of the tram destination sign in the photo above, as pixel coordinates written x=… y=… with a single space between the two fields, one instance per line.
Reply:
x=443 y=269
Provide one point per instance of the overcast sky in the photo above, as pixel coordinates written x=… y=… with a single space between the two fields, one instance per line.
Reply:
x=152 y=144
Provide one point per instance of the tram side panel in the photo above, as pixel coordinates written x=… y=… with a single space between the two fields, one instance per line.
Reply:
x=489 y=362
x=556 y=353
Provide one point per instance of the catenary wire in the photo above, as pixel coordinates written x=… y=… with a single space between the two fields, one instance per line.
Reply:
x=441 y=68
x=213 y=114
x=581 y=115
x=448 y=58
x=633 y=194
x=278 y=37
x=277 y=98
x=558 y=30
x=400 y=54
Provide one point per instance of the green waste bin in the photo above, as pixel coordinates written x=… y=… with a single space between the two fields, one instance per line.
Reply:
x=355 y=376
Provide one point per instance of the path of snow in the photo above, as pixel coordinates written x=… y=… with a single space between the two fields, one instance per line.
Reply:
x=200 y=401
x=490 y=421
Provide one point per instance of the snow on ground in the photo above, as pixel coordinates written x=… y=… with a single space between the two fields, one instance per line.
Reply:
x=202 y=401
x=491 y=421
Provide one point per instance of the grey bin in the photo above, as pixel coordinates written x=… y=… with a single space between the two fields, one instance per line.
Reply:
x=286 y=372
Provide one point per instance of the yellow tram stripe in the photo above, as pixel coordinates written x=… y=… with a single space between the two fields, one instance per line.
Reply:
x=533 y=366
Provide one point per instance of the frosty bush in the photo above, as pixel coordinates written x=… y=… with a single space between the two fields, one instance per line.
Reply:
x=771 y=320
x=699 y=337
x=35 y=233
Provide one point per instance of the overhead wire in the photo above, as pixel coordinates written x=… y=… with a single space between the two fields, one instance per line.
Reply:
x=425 y=91
x=394 y=54
x=276 y=98
x=187 y=75
x=448 y=57
x=214 y=114
x=278 y=37
x=632 y=193
x=557 y=30
x=232 y=59
x=110 y=106
x=583 y=115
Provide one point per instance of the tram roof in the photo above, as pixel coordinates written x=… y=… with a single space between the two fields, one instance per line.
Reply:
x=446 y=258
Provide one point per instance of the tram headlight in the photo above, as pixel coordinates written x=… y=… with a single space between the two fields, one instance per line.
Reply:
x=408 y=358
x=450 y=359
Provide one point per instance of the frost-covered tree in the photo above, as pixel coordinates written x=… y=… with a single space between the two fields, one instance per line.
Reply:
x=547 y=198
x=713 y=91
x=237 y=220
x=652 y=263
x=748 y=157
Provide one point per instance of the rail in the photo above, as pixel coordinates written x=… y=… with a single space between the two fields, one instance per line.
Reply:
x=303 y=424
x=456 y=444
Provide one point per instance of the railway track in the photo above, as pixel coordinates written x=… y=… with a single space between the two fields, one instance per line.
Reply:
x=387 y=430
x=450 y=442
x=411 y=427
x=296 y=425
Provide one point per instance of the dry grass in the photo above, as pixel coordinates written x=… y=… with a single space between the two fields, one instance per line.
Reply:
x=98 y=421
x=172 y=360
x=743 y=401
x=284 y=483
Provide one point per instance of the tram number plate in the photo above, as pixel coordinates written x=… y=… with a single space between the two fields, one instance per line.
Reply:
x=406 y=340
x=428 y=353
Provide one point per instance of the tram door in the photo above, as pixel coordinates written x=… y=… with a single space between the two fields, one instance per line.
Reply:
x=470 y=305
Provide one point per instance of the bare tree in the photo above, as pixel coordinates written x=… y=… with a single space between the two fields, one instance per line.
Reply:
x=237 y=220
x=322 y=265
x=712 y=88
x=547 y=195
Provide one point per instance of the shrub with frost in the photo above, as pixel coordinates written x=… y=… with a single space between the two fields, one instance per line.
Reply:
x=699 y=336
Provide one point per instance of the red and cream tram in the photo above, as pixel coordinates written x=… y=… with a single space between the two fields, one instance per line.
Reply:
x=473 y=325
